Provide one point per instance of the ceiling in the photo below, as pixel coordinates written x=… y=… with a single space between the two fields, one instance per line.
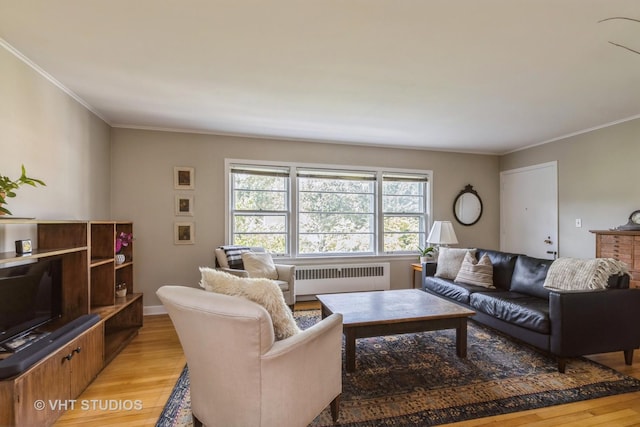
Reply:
x=483 y=76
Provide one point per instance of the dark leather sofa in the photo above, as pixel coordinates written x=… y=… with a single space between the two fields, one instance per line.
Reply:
x=567 y=324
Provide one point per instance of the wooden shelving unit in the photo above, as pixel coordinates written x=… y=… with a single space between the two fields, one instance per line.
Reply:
x=90 y=274
x=122 y=322
x=122 y=316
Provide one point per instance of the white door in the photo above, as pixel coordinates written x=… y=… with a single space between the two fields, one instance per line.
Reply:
x=529 y=211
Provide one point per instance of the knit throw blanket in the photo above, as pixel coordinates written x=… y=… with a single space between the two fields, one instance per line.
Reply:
x=572 y=274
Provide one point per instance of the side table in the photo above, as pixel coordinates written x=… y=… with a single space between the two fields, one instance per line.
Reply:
x=431 y=270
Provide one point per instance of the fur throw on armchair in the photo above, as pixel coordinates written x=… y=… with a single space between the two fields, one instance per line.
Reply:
x=261 y=291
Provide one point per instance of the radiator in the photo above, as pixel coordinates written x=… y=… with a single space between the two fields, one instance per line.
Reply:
x=329 y=279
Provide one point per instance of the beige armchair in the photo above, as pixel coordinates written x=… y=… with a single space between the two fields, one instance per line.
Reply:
x=241 y=376
x=286 y=274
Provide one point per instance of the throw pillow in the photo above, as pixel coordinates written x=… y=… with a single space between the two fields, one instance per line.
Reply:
x=478 y=273
x=450 y=260
x=261 y=291
x=259 y=264
x=234 y=256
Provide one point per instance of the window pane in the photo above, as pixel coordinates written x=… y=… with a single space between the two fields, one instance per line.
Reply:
x=403 y=233
x=402 y=242
x=404 y=207
x=335 y=243
x=259 y=181
x=403 y=197
x=338 y=202
x=274 y=243
x=336 y=223
x=335 y=186
x=403 y=224
x=336 y=213
x=260 y=223
x=260 y=201
x=257 y=193
x=403 y=204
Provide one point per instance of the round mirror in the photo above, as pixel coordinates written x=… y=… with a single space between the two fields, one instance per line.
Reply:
x=467 y=207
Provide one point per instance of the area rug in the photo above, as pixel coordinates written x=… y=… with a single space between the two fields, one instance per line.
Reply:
x=417 y=379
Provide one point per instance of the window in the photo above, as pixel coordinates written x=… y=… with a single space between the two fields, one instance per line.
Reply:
x=404 y=210
x=310 y=210
x=260 y=207
x=336 y=212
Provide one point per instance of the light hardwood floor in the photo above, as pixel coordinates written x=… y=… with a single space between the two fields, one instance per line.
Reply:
x=148 y=368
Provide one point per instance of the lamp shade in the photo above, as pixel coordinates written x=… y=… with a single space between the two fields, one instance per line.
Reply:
x=442 y=233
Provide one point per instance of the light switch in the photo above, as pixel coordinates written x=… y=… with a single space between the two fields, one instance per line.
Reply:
x=578 y=222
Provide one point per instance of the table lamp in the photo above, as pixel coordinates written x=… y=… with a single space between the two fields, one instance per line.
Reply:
x=442 y=234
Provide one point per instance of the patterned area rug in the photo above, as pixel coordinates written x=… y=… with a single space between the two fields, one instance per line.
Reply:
x=417 y=379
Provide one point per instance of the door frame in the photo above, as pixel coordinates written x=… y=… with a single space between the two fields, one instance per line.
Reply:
x=553 y=164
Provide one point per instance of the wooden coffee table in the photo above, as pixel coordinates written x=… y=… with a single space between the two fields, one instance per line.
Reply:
x=372 y=314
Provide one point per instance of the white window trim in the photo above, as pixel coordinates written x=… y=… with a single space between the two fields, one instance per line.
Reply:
x=293 y=183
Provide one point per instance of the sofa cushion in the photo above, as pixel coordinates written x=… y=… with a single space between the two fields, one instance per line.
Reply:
x=529 y=275
x=459 y=292
x=503 y=264
x=450 y=260
x=513 y=307
x=261 y=291
x=478 y=273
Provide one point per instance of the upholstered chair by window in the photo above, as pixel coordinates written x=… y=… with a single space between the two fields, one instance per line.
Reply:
x=230 y=259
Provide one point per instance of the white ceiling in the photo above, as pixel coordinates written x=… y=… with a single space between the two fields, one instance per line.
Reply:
x=488 y=76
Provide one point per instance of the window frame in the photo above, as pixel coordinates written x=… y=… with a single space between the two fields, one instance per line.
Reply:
x=230 y=201
x=344 y=175
x=293 y=203
x=411 y=176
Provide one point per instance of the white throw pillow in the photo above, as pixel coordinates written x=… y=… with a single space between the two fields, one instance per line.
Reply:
x=477 y=273
x=259 y=264
x=450 y=261
x=261 y=291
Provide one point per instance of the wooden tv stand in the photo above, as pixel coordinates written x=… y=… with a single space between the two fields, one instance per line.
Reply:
x=43 y=390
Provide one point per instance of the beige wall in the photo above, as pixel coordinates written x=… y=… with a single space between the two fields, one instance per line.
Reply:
x=58 y=140
x=142 y=183
x=597 y=181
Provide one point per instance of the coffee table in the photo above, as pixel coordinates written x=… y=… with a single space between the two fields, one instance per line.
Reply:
x=372 y=314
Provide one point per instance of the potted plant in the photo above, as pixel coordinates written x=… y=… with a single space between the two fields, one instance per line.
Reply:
x=426 y=253
x=8 y=188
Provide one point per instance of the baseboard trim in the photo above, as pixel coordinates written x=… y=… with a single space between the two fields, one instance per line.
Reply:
x=154 y=310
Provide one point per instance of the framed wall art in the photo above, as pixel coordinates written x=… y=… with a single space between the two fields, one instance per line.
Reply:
x=184 y=178
x=184 y=205
x=183 y=233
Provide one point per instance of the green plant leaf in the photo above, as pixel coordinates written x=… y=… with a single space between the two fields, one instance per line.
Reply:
x=9 y=186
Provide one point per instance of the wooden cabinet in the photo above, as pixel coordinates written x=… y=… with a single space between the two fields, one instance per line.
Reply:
x=73 y=367
x=623 y=246
x=90 y=274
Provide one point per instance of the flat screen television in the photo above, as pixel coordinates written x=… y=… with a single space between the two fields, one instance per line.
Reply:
x=30 y=296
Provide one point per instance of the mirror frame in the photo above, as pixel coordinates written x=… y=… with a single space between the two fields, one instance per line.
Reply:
x=468 y=189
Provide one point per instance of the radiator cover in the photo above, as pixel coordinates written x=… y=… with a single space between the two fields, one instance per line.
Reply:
x=335 y=278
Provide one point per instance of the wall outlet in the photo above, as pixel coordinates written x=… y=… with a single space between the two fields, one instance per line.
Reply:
x=578 y=222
